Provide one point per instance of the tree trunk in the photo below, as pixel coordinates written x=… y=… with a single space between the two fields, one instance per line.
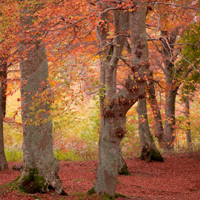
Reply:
x=169 y=130
x=4 y=88
x=3 y=161
x=149 y=151
x=106 y=57
x=171 y=88
x=40 y=168
x=156 y=110
x=187 y=114
x=116 y=106
x=122 y=167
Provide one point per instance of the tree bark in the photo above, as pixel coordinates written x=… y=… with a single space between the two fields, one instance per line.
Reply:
x=187 y=114
x=171 y=87
x=169 y=130
x=3 y=161
x=122 y=167
x=149 y=151
x=156 y=110
x=111 y=55
x=4 y=88
x=40 y=168
x=116 y=106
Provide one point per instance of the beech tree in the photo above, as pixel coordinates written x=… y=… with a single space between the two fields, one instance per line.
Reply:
x=110 y=57
x=40 y=168
x=116 y=106
x=149 y=150
x=173 y=71
x=3 y=76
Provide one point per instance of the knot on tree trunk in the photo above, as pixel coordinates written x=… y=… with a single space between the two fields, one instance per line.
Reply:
x=130 y=85
x=120 y=132
x=109 y=113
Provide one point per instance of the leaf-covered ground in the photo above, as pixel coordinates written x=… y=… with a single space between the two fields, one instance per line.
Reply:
x=177 y=178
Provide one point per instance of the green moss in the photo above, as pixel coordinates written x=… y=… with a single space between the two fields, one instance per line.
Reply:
x=27 y=179
x=33 y=183
x=151 y=154
x=91 y=191
x=120 y=195
x=39 y=183
x=107 y=196
x=156 y=155
x=124 y=170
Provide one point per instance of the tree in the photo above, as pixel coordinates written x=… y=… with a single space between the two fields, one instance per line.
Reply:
x=40 y=168
x=110 y=57
x=3 y=68
x=187 y=114
x=170 y=51
x=116 y=107
x=149 y=151
x=8 y=25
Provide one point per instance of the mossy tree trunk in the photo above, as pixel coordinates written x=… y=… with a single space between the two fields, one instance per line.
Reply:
x=149 y=151
x=3 y=72
x=116 y=107
x=40 y=168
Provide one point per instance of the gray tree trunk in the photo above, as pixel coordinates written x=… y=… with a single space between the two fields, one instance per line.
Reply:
x=149 y=151
x=122 y=167
x=106 y=57
x=187 y=113
x=156 y=110
x=3 y=161
x=169 y=130
x=40 y=168
x=4 y=88
x=116 y=106
x=171 y=88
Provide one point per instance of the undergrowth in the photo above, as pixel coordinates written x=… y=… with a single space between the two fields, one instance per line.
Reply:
x=76 y=134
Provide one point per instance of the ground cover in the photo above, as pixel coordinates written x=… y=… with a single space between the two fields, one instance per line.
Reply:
x=177 y=178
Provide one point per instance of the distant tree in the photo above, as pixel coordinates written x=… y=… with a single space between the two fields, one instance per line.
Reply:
x=149 y=150
x=170 y=48
x=3 y=76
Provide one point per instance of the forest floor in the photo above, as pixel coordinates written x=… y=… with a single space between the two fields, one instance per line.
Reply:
x=178 y=177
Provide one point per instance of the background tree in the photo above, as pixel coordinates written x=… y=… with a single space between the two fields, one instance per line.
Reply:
x=170 y=51
x=3 y=68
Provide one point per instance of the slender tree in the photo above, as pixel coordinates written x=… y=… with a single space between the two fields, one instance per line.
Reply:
x=3 y=73
x=187 y=114
x=149 y=151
